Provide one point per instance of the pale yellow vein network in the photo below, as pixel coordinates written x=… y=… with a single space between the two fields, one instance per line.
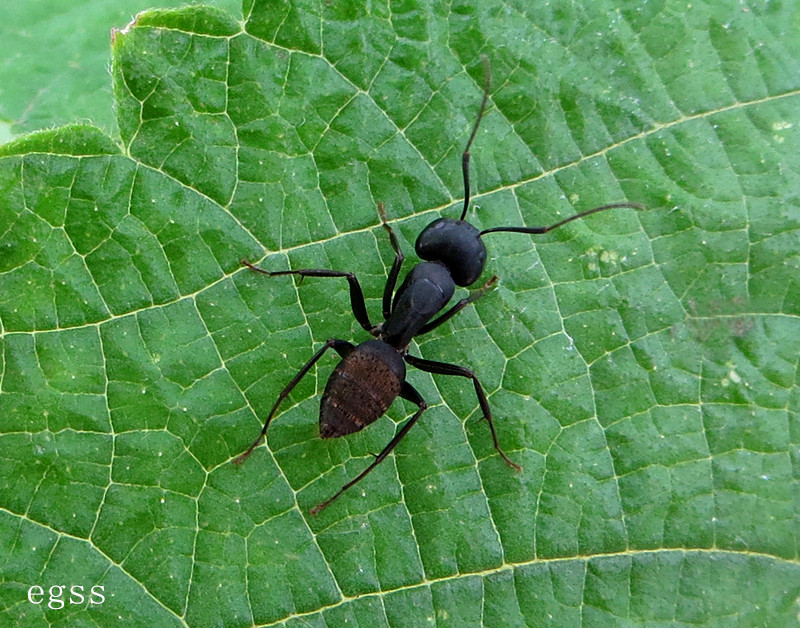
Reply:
x=506 y=566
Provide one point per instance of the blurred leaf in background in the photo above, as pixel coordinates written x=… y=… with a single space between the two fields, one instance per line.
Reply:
x=54 y=61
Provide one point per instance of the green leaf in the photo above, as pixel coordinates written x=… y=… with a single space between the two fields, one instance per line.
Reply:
x=54 y=61
x=641 y=366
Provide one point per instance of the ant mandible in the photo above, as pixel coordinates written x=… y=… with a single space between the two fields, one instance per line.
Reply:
x=372 y=374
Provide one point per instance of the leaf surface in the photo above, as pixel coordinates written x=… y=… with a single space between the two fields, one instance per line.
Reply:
x=641 y=366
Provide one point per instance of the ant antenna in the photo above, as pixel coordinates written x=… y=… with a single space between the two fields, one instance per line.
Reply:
x=487 y=81
x=535 y=230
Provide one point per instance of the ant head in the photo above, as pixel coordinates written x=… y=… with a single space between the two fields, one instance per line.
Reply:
x=457 y=245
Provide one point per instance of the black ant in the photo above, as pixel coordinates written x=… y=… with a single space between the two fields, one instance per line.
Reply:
x=371 y=375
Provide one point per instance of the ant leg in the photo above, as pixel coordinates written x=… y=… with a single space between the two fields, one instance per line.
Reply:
x=457 y=307
x=357 y=302
x=409 y=393
x=391 y=281
x=442 y=368
x=342 y=347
